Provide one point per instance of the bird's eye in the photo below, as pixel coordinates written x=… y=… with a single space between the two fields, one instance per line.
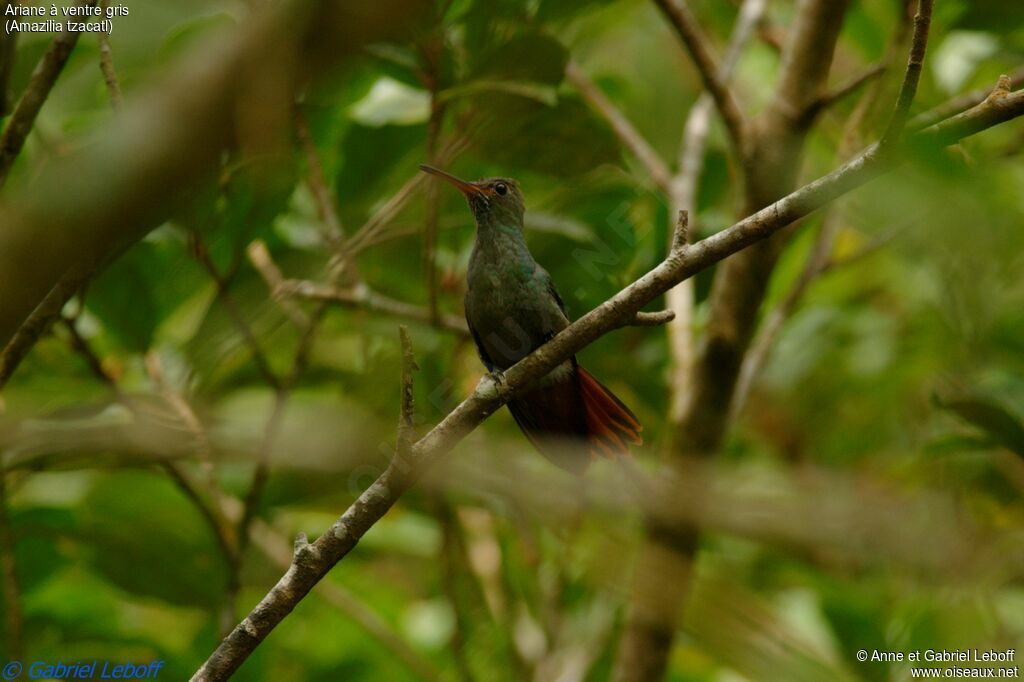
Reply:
x=501 y=188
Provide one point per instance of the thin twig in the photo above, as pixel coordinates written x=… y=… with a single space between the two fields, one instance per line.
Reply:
x=177 y=402
x=915 y=63
x=406 y=416
x=855 y=83
x=107 y=65
x=326 y=203
x=957 y=104
x=221 y=527
x=686 y=27
x=40 y=320
x=202 y=255
x=261 y=259
x=364 y=297
x=31 y=101
x=656 y=319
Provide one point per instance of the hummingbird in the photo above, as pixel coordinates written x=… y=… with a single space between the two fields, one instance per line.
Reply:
x=512 y=308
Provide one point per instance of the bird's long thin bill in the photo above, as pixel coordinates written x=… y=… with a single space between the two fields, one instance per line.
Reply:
x=463 y=186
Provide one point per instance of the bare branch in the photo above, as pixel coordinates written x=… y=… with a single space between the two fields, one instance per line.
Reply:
x=276 y=547
x=326 y=203
x=363 y=297
x=686 y=27
x=107 y=65
x=655 y=319
x=681 y=233
x=261 y=259
x=227 y=300
x=313 y=564
x=40 y=320
x=406 y=422
x=960 y=103
x=624 y=129
x=915 y=63
x=39 y=85
x=851 y=86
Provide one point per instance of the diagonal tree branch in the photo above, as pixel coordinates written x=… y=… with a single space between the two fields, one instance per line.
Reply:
x=312 y=561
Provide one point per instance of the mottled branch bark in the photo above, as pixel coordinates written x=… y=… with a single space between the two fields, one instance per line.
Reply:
x=312 y=561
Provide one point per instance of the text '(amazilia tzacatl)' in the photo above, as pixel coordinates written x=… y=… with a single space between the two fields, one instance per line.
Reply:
x=513 y=308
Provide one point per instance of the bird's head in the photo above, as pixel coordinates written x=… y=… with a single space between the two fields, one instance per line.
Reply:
x=494 y=201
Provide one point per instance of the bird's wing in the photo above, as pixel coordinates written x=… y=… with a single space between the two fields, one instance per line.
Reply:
x=484 y=358
x=549 y=284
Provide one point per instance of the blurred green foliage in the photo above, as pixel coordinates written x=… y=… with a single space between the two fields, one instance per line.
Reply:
x=905 y=364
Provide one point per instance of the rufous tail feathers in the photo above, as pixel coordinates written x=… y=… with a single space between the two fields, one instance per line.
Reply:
x=611 y=426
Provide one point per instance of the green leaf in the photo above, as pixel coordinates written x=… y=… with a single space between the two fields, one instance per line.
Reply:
x=525 y=57
x=563 y=140
x=135 y=293
x=132 y=520
x=560 y=10
x=369 y=155
x=996 y=421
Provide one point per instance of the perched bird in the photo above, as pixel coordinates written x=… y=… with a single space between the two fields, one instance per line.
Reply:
x=512 y=308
